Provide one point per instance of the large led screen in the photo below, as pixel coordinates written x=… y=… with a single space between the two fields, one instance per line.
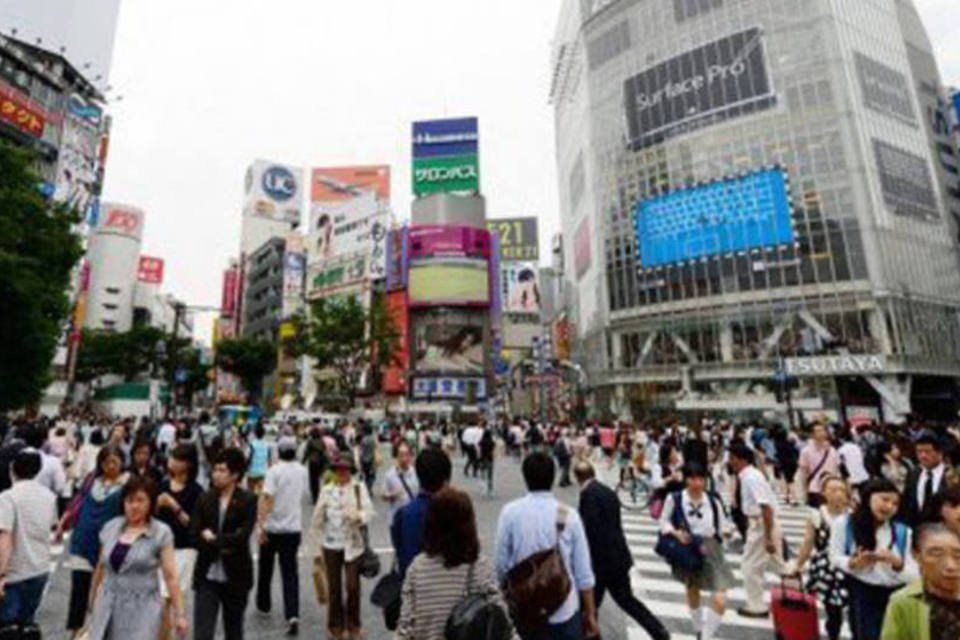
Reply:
x=448 y=342
x=725 y=216
x=449 y=282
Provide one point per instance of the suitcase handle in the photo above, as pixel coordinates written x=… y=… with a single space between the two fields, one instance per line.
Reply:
x=789 y=601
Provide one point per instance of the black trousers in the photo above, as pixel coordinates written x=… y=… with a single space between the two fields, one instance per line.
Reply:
x=285 y=546
x=472 y=461
x=208 y=598
x=79 y=598
x=316 y=472
x=619 y=588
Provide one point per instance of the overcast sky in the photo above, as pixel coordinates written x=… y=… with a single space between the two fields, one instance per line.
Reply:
x=208 y=86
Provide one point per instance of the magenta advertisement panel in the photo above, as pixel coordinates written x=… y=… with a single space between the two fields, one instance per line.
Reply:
x=449 y=241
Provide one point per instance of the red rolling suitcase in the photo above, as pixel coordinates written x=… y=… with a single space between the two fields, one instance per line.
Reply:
x=794 y=612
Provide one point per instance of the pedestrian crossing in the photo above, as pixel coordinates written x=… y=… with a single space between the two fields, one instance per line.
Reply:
x=664 y=596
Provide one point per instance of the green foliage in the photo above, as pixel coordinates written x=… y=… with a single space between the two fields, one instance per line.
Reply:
x=125 y=354
x=347 y=339
x=38 y=250
x=248 y=359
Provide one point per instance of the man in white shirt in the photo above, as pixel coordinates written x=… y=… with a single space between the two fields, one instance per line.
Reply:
x=52 y=475
x=400 y=484
x=28 y=511
x=764 y=545
x=166 y=436
x=279 y=527
x=851 y=461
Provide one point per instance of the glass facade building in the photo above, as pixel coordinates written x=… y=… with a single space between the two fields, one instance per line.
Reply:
x=661 y=103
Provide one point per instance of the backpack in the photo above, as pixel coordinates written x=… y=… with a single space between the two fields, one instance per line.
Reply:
x=477 y=615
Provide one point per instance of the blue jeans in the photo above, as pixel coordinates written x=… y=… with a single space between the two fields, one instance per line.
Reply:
x=572 y=629
x=21 y=600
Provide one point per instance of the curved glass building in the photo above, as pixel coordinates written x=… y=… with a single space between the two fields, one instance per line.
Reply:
x=758 y=196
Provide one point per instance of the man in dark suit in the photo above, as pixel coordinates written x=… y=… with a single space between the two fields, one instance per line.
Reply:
x=925 y=482
x=222 y=524
x=600 y=512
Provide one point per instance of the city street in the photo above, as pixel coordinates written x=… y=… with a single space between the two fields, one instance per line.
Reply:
x=651 y=577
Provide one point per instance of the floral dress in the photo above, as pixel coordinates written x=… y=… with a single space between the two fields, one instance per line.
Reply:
x=825 y=580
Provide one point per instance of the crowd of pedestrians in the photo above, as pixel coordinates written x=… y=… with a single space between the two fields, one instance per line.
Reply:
x=152 y=512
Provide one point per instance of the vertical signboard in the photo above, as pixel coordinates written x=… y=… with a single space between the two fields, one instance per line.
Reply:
x=445 y=156
x=228 y=300
x=294 y=271
x=582 y=249
x=395 y=372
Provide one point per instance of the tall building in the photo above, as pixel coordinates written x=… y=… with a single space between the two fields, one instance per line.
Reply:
x=752 y=196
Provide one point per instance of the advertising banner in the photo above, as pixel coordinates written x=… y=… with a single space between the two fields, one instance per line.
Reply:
x=724 y=216
x=77 y=175
x=395 y=372
x=150 y=270
x=449 y=241
x=520 y=286
x=561 y=330
x=885 y=90
x=444 y=138
x=397 y=258
x=274 y=191
x=228 y=298
x=16 y=111
x=337 y=274
x=453 y=282
x=448 y=343
x=121 y=220
x=906 y=182
x=446 y=174
x=449 y=388
x=519 y=239
x=582 y=249
x=721 y=80
x=294 y=266
x=343 y=184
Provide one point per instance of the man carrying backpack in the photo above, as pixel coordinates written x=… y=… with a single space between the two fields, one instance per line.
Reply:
x=543 y=561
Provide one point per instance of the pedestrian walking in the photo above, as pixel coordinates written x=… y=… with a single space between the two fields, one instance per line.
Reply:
x=400 y=484
x=28 y=510
x=609 y=554
x=449 y=567
x=872 y=549
x=221 y=526
x=258 y=459
x=533 y=524
x=368 y=454
x=763 y=548
x=317 y=459
x=825 y=580
x=926 y=481
x=97 y=502
x=279 y=525
x=817 y=460
x=563 y=453
x=336 y=531
x=126 y=603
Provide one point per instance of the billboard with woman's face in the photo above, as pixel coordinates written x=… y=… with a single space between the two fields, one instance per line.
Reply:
x=449 y=342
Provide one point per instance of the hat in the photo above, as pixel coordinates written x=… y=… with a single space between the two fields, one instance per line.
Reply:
x=343 y=462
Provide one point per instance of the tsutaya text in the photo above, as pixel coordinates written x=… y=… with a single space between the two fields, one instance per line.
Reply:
x=839 y=365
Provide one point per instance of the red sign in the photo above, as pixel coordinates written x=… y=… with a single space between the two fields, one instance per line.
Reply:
x=151 y=270
x=395 y=373
x=15 y=111
x=123 y=220
x=449 y=241
x=228 y=299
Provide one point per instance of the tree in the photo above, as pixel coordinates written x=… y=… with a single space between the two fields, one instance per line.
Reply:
x=248 y=359
x=128 y=354
x=347 y=339
x=38 y=251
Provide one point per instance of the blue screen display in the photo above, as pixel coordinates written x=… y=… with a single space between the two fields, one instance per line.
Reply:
x=725 y=216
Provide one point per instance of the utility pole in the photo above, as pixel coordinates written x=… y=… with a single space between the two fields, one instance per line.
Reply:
x=179 y=309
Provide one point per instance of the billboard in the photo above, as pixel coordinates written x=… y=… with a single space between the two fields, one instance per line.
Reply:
x=337 y=274
x=150 y=270
x=435 y=388
x=885 y=90
x=455 y=282
x=520 y=286
x=77 y=176
x=228 y=293
x=723 y=79
x=121 y=220
x=274 y=191
x=294 y=266
x=16 y=111
x=394 y=373
x=449 y=241
x=906 y=182
x=448 y=343
x=582 y=249
x=724 y=216
x=397 y=258
x=450 y=174
x=519 y=239
x=444 y=138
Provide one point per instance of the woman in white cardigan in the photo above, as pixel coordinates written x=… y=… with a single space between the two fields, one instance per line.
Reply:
x=336 y=533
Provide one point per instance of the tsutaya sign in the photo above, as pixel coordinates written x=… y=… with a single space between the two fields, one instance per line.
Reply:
x=842 y=365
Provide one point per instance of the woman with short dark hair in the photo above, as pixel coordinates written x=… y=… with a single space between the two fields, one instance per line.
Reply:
x=449 y=567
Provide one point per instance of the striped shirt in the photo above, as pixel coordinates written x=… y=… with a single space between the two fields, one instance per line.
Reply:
x=430 y=591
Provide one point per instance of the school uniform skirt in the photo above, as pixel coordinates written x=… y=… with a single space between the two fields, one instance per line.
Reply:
x=714 y=575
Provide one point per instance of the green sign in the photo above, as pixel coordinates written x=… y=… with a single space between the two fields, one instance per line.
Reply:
x=446 y=175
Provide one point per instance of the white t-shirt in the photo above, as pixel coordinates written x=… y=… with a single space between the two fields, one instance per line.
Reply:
x=755 y=491
x=699 y=516
x=29 y=511
x=287 y=482
x=52 y=475
x=852 y=458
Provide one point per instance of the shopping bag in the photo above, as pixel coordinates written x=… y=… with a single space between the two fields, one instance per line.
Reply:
x=320 y=579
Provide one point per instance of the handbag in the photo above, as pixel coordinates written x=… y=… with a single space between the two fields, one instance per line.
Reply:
x=477 y=615
x=687 y=558
x=320 y=586
x=387 y=596
x=369 y=560
x=538 y=585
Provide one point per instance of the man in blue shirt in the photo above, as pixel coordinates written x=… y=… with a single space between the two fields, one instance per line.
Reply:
x=406 y=530
x=529 y=525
